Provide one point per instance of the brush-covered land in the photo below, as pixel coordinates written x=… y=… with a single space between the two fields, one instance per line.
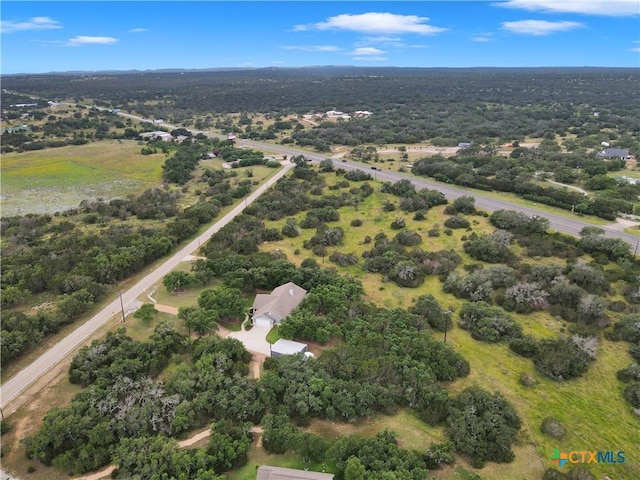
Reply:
x=539 y=342
x=449 y=342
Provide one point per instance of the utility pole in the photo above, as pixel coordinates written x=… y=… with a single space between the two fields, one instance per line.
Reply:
x=446 y=324
x=122 y=308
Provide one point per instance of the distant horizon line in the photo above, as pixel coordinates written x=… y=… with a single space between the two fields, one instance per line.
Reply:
x=355 y=67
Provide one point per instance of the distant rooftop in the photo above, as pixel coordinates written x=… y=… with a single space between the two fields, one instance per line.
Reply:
x=265 y=472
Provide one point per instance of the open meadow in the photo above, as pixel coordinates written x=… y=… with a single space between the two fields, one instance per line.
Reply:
x=58 y=179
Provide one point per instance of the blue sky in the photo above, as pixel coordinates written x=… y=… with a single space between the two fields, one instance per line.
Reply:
x=123 y=35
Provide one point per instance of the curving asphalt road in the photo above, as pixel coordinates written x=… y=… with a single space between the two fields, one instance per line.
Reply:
x=569 y=225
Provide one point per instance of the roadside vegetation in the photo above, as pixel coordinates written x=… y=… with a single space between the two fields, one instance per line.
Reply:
x=57 y=267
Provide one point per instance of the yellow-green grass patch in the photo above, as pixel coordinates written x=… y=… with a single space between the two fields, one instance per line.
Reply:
x=591 y=408
x=60 y=178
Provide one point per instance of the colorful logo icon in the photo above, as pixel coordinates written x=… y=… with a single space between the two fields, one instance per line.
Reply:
x=561 y=458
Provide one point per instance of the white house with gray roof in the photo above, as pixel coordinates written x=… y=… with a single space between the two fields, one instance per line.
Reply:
x=269 y=309
x=621 y=153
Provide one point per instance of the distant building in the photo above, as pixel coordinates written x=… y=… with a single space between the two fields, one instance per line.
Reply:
x=629 y=180
x=20 y=105
x=334 y=113
x=622 y=153
x=19 y=128
x=362 y=113
x=231 y=136
x=464 y=144
x=266 y=472
x=160 y=135
x=269 y=309
x=287 y=347
x=158 y=121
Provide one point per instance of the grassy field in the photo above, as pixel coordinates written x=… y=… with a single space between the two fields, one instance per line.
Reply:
x=56 y=179
x=591 y=408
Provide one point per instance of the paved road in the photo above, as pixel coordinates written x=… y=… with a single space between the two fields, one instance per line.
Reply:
x=570 y=225
x=19 y=383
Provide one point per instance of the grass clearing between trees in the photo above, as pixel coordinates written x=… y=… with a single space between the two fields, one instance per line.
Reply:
x=57 y=179
x=591 y=408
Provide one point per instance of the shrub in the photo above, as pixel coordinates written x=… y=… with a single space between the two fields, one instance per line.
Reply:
x=526 y=346
x=487 y=323
x=419 y=215
x=483 y=425
x=290 y=229
x=632 y=394
x=561 y=359
x=527 y=379
x=634 y=351
x=408 y=238
x=525 y=297
x=457 y=222
x=343 y=259
x=627 y=328
x=438 y=454
x=551 y=426
x=398 y=224
x=356 y=222
x=629 y=374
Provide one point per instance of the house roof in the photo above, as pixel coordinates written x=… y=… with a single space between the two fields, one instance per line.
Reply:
x=614 y=152
x=280 y=301
x=266 y=472
x=288 y=347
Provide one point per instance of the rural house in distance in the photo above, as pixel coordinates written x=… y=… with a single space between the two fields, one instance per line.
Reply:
x=265 y=472
x=269 y=309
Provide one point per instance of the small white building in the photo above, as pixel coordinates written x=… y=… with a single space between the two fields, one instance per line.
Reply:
x=164 y=136
x=287 y=347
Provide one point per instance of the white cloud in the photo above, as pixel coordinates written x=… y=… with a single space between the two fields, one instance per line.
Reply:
x=312 y=48
x=380 y=40
x=637 y=49
x=367 y=51
x=138 y=30
x=375 y=23
x=482 y=38
x=35 y=23
x=370 y=59
x=539 y=27
x=86 y=40
x=588 y=7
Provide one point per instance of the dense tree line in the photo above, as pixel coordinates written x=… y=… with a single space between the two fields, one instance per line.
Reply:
x=460 y=105
x=124 y=402
x=488 y=173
